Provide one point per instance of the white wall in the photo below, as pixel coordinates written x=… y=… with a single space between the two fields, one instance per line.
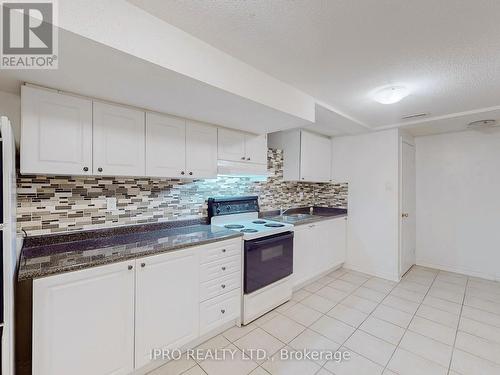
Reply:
x=370 y=163
x=458 y=202
x=10 y=106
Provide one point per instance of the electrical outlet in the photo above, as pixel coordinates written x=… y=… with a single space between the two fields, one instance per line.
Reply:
x=110 y=204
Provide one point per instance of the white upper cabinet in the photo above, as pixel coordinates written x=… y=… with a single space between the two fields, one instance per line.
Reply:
x=307 y=156
x=179 y=148
x=119 y=141
x=201 y=150
x=256 y=148
x=231 y=145
x=315 y=157
x=56 y=133
x=167 y=302
x=83 y=322
x=243 y=147
x=165 y=146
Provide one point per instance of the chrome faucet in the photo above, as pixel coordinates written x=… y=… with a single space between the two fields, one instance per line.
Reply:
x=282 y=211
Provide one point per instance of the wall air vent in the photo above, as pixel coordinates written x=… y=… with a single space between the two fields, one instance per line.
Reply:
x=415 y=115
x=483 y=124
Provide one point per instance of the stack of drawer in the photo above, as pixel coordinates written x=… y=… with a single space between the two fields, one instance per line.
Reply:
x=220 y=284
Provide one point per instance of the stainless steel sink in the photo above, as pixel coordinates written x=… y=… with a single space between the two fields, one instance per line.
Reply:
x=292 y=217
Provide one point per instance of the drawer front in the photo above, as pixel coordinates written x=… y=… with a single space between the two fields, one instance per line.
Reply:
x=219 y=310
x=220 y=250
x=220 y=268
x=221 y=285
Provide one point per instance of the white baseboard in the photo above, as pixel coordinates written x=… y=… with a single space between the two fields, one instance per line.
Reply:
x=317 y=277
x=371 y=273
x=462 y=270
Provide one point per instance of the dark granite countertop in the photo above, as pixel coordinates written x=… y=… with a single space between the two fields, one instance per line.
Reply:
x=319 y=214
x=54 y=254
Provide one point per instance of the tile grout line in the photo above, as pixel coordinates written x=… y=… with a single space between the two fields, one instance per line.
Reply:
x=368 y=315
x=458 y=326
x=413 y=317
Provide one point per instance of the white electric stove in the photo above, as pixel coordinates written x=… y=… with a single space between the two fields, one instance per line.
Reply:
x=268 y=253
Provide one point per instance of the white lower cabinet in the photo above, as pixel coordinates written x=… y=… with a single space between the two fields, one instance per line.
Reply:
x=317 y=248
x=166 y=315
x=106 y=320
x=83 y=322
x=219 y=310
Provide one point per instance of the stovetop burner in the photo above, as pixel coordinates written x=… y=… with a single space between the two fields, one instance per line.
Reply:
x=234 y=226
x=259 y=221
x=274 y=225
x=249 y=230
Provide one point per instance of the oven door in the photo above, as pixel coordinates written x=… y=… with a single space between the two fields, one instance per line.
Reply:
x=267 y=260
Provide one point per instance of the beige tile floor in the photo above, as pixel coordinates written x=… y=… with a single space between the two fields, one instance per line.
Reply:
x=432 y=322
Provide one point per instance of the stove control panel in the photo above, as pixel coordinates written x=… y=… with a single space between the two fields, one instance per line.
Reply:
x=232 y=205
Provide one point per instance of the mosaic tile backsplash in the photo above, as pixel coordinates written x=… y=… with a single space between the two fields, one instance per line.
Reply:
x=52 y=204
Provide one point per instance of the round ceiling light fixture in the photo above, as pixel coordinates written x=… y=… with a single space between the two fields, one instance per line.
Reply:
x=391 y=94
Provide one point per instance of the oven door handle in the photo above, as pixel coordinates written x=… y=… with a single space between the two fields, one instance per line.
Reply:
x=279 y=238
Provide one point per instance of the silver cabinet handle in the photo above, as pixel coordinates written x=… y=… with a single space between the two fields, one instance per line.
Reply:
x=85 y=169
x=99 y=169
x=130 y=267
x=143 y=265
x=223 y=268
x=182 y=173
x=190 y=173
x=248 y=158
x=223 y=250
x=242 y=158
x=223 y=286
x=223 y=311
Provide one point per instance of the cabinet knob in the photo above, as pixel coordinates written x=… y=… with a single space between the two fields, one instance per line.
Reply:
x=85 y=169
x=223 y=286
x=223 y=268
x=190 y=173
x=248 y=158
x=223 y=250
x=223 y=311
x=183 y=173
x=99 y=169
x=143 y=265
x=242 y=158
x=130 y=267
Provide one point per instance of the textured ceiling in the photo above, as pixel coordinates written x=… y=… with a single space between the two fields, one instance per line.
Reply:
x=447 y=52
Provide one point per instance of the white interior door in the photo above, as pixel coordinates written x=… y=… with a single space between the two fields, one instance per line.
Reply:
x=408 y=207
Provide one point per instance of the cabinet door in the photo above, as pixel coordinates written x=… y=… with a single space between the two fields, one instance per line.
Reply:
x=338 y=230
x=167 y=302
x=231 y=145
x=315 y=158
x=56 y=133
x=165 y=146
x=119 y=141
x=256 y=148
x=304 y=258
x=83 y=322
x=201 y=150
